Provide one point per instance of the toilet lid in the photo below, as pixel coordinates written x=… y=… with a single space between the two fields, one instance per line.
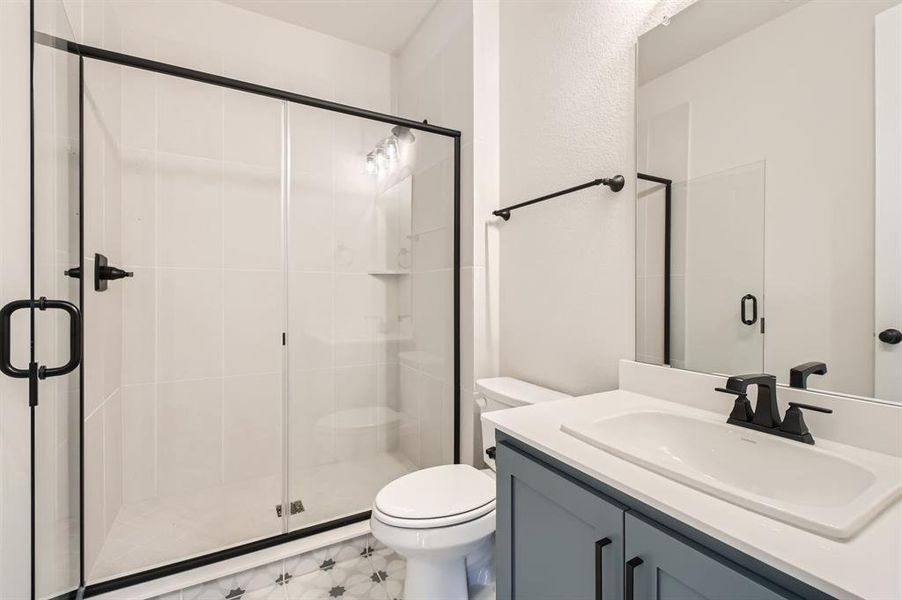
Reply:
x=437 y=492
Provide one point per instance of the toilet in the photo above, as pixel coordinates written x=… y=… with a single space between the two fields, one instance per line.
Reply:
x=442 y=519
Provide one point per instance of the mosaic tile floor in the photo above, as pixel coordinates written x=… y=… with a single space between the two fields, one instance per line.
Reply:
x=359 y=569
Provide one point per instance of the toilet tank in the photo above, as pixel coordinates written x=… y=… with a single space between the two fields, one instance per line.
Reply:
x=498 y=393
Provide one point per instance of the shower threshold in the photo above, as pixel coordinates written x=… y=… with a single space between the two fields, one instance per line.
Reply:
x=162 y=530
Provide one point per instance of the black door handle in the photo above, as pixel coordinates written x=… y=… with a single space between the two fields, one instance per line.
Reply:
x=74 y=337
x=742 y=305
x=6 y=313
x=629 y=576
x=41 y=304
x=890 y=336
x=599 y=567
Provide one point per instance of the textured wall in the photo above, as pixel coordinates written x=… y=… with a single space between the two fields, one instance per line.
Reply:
x=567 y=116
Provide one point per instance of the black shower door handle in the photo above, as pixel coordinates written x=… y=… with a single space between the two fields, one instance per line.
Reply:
x=742 y=308
x=74 y=337
x=6 y=313
x=42 y=304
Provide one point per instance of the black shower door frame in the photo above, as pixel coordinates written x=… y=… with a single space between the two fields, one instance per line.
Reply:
x=89 y=52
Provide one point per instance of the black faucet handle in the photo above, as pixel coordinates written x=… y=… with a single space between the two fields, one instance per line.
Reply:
x=742 y=408
x=724 y=390
x=819 y=409
x=794 y=423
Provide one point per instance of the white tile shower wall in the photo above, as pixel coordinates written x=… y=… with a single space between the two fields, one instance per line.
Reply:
x=438 y=78
x=344 y=330
x=221 y=150
x=201 y=229
x=176 y=118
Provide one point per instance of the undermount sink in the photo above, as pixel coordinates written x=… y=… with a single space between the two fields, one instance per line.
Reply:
x=808 y=486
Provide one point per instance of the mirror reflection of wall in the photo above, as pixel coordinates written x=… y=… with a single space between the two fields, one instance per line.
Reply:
x=784 y=222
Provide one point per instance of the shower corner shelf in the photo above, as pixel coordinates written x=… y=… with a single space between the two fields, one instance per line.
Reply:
x=387 y=272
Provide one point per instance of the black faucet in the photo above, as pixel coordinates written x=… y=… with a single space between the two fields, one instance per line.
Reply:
x=766 y=416
x=798 y=375
x=766 y=412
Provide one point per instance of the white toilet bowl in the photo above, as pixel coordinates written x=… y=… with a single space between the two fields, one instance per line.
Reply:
x=435 y=518
x=442 y=519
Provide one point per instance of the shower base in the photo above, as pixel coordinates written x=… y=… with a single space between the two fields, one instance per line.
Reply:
x=162 y=530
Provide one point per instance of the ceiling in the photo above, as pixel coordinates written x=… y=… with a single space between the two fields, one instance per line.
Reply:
x=380 y=24
x=702 y=27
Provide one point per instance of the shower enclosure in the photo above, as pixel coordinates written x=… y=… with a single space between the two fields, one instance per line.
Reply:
x=263 y=291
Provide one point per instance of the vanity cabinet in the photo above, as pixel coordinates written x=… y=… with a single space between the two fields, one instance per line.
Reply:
x=558 y=539
x=671 y=569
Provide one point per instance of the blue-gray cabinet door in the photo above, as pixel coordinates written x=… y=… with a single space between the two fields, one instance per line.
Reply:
x=671 y=569
x=556 y=540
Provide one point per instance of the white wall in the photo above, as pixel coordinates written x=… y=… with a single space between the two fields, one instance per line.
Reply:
x=819 y=226
x=567 y=116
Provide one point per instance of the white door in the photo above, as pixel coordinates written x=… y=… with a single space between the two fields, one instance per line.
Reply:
x=888 y=213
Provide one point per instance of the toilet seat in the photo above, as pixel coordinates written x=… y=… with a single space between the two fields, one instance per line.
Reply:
x=436 y=497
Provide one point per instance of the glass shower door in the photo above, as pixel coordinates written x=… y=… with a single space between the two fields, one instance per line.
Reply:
x=718 y=271
x=56 y=505
x=266 y=298
x=184 y=376
x=370 y=233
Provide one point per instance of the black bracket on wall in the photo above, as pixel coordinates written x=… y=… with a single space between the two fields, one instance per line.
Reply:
x=615 y=183
x=103 y=273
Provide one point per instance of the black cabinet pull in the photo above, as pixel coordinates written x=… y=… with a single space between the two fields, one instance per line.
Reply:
x=890 y=336
x=628 y=577
x=599 y=566
x=742 y=307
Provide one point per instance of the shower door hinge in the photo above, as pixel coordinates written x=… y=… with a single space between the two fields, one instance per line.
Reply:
x=294 y=507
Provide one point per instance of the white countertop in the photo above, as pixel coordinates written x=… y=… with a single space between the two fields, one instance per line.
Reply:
x=867 y=566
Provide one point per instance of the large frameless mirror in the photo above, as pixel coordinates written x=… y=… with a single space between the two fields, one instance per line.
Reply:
x=770 y=192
